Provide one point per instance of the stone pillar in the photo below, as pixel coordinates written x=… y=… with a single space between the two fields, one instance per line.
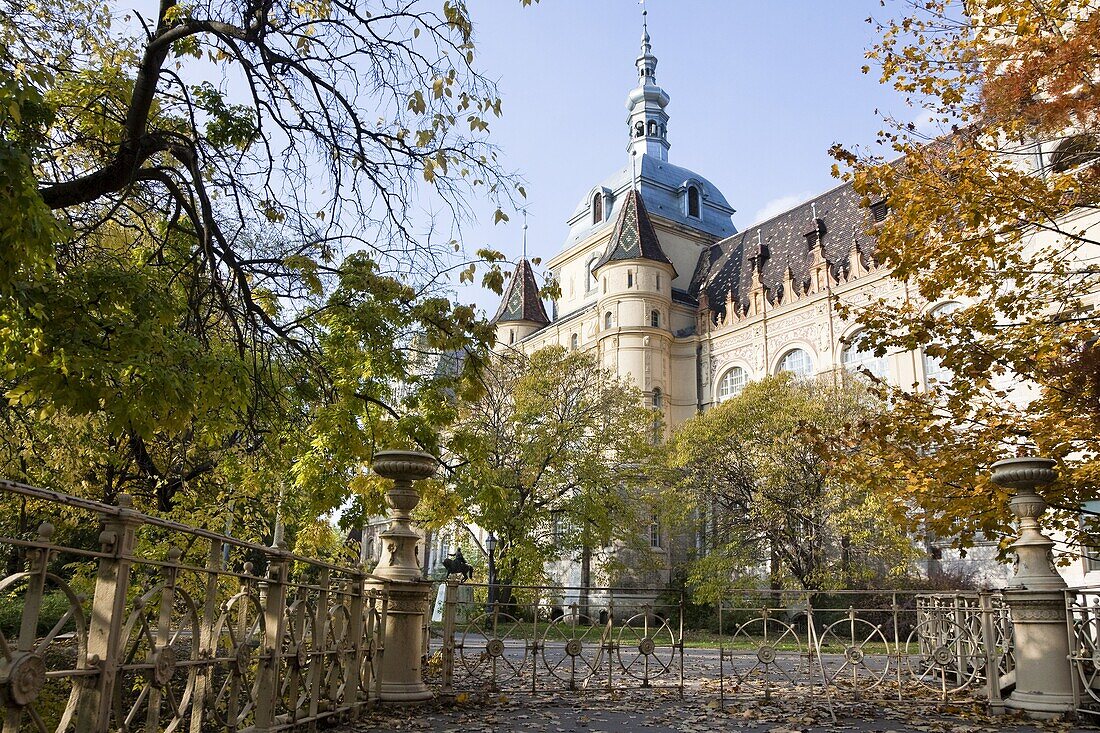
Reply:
x=400 y=674
x=1037 y=600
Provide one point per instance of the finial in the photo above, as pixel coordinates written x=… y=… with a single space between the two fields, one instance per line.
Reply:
x=525 y=234
x=634 y=168
x=813 y=209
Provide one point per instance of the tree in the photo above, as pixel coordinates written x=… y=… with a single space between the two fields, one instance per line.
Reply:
x=210 y=265
x=550 y=459
x=996 y=207
x=757 y=474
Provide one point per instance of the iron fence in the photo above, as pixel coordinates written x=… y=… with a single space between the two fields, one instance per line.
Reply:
x=165 y=627
x=1083 y=626
x=551 y=638
x=864 y=645
x=867 y=645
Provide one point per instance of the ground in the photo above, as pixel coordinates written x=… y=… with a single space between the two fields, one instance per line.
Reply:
x=642 y=711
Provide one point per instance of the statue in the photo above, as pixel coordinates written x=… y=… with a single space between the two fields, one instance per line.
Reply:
x=456 y=563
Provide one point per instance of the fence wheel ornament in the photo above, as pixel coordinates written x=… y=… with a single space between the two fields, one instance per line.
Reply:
x=943 y=655
x=646 y=647
x=572 y=648
x=863 y=649
x=492 y=645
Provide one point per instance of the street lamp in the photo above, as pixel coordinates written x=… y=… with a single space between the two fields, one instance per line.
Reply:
x=491 y=548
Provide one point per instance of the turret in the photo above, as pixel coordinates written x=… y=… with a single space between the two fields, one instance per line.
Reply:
x=521 y=311
x=647 y=121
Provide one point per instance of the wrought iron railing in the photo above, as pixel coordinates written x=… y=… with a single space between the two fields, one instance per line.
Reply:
x=549 y=638
x=166 y=627
x=864 y=644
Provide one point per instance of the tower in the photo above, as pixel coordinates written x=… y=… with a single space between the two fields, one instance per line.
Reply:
x=521 y=312
x=635 y=279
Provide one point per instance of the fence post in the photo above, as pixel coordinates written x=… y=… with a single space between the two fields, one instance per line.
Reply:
x=450 y=611
x=207 y=642
x=358 y=638
x=107 y=617
x=992 y=656
x=274 y=609
x=1044 y=687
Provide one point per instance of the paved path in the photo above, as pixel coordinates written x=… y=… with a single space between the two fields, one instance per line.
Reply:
x=642 y=711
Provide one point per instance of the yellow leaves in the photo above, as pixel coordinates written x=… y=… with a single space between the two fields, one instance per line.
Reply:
x=416 y=102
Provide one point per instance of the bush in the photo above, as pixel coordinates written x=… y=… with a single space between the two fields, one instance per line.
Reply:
x=54 y=605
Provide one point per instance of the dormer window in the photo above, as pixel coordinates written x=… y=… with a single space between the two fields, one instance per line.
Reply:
x=597 y=208
x=693 y=201
x=879 y=210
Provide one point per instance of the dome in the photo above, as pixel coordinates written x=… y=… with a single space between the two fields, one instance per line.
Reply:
x=663 y=187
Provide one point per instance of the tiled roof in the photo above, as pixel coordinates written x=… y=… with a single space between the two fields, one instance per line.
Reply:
x=634 y=237
x=521 y=298
x=782 y=242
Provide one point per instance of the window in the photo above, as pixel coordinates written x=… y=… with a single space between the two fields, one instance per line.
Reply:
x=879 y=210
x=1075 y=151
x=797 y=362
x=597 y=208
x=658 y=282
x=693 y=201
x=731 y=383
x=658 y=400
x=630 y=278
x=607 y=320
x=653 y=128
x=655 y=319
x=858 y=360
x=574 y=342
x=590 y=284
x=654 y=531
x=511 y=336
x=934 y=371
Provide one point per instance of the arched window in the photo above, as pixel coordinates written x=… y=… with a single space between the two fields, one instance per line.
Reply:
x=934 y=371
x=658 y=399
x=655 y=319
x=797 y=362
x=511 y=336
x=693 y=201
x=653 y=128
x=607 y=320
x=858 y=360
x=630 y=278
x=590 y=283
x=574 y=342
x=597 y=208
x=605 y=286
x=1075 y=151
x=658 y=282
x=731 y=383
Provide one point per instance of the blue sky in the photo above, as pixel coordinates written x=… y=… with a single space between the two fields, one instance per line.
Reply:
x=759 y=90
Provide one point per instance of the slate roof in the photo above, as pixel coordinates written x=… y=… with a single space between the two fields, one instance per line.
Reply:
x=661 y=184
x=521 y=300
x=782 y=242
x=634 y=237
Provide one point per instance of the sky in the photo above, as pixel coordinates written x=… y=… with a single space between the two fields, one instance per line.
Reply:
x=759 y=92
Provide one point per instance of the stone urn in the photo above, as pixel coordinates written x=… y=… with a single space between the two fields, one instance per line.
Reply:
x=399 y=541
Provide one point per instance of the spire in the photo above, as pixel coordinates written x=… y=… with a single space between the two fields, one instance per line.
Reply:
x=634 y=237
x=648 y=123
x=521 y=300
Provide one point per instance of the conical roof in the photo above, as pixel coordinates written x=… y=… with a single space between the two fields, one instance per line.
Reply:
x=521 y=298
x=634 y=237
